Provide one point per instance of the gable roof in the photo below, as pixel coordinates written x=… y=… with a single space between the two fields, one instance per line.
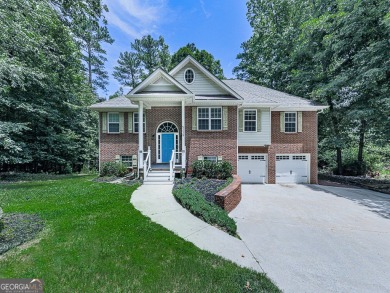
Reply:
x=119 y=103
x=156 y=76
x=219 y=83
x=256 y=94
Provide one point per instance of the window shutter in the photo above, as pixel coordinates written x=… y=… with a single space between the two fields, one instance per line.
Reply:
x=130 y=122
x=121 y=122
x=200 y=158
x=240 y=120
x=117 y=158
x=194 y=118
x=225 y=118
x=299 y=121
x=134 y=161
x=104 y=122
x=281 y=121
x=220 y=158
x=258 y=120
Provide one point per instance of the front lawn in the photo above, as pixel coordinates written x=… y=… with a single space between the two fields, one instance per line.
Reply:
x=95 y=241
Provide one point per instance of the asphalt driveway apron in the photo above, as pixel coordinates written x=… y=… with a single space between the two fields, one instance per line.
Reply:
x=310 y=240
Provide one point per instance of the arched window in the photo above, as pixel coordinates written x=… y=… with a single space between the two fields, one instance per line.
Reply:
x=167 y=127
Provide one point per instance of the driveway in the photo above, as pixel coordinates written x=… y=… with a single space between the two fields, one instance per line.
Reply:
x=316 y=238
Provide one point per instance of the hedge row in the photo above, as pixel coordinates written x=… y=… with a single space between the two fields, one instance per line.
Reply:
x=207 y=211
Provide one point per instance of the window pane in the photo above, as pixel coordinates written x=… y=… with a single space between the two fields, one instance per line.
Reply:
x=135 y=117
x=113 y=117
x=290 y=122
x=210 y=158
x=203 y=124
x=135 y=126
x=250 y=115
x=250 y=126
x=113 y=127
x=216 y=124
x=216 y=113
x=203 y=113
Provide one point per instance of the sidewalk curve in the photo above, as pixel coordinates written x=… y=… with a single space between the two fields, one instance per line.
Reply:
x=158 y=203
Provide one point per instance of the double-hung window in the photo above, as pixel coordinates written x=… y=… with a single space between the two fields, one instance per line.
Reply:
x=136 y=122
x=250 y=120
x=113 y=122
x=210 y=118
x=290 y=122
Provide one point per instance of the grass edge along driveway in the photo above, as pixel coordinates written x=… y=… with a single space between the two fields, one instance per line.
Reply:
x=96 y=241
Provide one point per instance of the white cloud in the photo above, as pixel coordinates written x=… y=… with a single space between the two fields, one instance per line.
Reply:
x=205 y=12
x=136 y=17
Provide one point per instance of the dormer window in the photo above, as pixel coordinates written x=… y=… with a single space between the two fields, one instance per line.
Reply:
x=189 y=76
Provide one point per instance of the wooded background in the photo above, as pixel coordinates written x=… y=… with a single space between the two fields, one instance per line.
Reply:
x=52 y=63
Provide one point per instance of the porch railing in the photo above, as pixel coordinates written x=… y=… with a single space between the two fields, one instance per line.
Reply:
x=147 y=163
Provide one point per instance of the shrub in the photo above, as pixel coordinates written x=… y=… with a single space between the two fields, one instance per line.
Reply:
x=208 y=212
x=113 y=169
x=1 y=225
x=212 y=170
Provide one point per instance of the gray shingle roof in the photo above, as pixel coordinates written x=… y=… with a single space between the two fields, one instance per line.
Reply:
x=116 y=103
x=253 y=93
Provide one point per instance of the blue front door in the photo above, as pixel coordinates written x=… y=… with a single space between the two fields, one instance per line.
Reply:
x=167 y=145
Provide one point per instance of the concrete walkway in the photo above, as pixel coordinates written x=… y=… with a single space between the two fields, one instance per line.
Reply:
x=158 y=203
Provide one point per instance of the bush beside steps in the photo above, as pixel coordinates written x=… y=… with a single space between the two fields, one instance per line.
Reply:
x=207 y=211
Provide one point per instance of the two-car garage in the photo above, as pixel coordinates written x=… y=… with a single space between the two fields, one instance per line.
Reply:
x=289 y=168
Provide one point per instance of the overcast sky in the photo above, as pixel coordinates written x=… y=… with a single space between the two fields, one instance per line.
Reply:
x=217 y=26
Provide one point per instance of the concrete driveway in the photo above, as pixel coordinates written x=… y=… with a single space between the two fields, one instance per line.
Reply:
x=317 y=239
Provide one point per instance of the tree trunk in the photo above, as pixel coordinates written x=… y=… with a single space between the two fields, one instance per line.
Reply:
x=89 y=67
x=339 y=161
x=361 y=168
x=362 y=131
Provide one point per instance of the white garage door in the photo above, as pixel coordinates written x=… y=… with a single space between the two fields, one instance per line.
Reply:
x=252 y=168
x=292 y=168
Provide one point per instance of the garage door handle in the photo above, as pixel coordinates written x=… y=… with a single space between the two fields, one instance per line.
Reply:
x=249 y=171
x=290 y=172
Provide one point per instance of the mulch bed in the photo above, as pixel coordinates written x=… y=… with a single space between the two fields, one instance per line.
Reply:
x=207 y=187
x=18 y=229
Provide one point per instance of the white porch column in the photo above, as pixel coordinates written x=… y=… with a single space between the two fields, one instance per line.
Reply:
x=140 y=134
x=183 y=134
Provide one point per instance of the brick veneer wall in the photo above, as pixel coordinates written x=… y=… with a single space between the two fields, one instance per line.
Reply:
x=229 y=197
x=212 y=143
x=198 y=143
x=117 y=144
x=154 y=117
x=300 y=142
x=289 y=143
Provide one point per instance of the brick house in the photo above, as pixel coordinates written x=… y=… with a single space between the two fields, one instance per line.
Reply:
x=172 y=119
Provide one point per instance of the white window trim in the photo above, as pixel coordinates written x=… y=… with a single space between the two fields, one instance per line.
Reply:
x=209 y=157
x=296 y=122
x=243 y=118
x=136 y=113
x=197 y=117
x=108 y=123
x=184 y=75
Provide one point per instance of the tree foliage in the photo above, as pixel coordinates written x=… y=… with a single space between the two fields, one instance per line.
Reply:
x=148 y=54
x=335 y=53
x=44 y=94
x=202 y=56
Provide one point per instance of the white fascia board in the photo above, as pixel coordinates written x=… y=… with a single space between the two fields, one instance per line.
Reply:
x=114 y=109
x=259 y=105
x=214 y=102
x=156 y=74
x=158 y=96
x=207 y=73
x=299 y=108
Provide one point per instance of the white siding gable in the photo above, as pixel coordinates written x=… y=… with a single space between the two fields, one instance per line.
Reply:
x=162 y=85
x=202 y=85
x=257 y=138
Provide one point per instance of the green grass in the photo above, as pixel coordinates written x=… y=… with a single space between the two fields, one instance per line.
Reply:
x=95 y=241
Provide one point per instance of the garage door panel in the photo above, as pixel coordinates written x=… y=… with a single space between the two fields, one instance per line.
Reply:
x=252 y=168
x=292 y=168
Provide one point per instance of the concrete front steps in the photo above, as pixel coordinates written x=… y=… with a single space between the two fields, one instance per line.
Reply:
x=157 y=177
